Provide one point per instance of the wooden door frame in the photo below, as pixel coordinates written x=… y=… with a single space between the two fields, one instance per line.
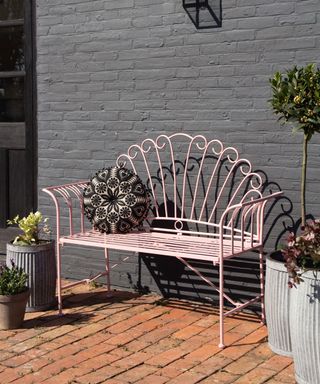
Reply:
x=30 y=107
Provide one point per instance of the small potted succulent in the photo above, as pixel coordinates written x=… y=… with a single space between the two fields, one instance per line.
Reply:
x=35 y=254
x=14 y=295
x=293 y=314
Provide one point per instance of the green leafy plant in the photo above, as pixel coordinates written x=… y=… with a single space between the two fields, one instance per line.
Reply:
x=296 y=98
x=31 y=228
x=12 y=280
x=303 y=252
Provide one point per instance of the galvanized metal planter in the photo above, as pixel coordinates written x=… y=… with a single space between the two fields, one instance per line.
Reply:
x=12 y=310
x=305 y=329
x=38 y=261
x=277 y=304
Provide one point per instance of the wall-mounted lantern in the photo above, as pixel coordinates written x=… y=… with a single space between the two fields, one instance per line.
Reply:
x=204 y=13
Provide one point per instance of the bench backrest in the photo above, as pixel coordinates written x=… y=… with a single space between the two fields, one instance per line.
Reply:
x=192 y=181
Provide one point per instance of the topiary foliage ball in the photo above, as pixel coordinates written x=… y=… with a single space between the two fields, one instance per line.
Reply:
x=115 y=200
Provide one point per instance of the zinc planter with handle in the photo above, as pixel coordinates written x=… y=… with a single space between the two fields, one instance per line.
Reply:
x=277 y=304
x=305 y=328
x=38 y=261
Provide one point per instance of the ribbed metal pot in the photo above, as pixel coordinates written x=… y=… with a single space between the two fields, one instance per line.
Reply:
x=305 y=329
x=38 y=261
x=277 y=304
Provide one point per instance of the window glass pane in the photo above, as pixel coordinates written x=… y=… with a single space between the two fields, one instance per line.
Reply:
x=11 y=49
x=11 y=9
x=11 y=99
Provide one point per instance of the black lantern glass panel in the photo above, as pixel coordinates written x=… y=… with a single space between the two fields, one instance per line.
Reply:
x=204 y=13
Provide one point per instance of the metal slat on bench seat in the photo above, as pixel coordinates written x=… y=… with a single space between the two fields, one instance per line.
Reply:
x=191 y=247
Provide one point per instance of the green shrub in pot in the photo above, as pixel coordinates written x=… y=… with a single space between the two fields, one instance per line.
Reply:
x=14 y=295
x=31 y=229
x=12 y=280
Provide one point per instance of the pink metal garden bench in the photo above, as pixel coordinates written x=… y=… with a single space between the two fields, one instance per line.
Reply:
x=208 y=195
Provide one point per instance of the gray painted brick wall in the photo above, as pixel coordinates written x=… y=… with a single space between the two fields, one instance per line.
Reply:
x=113 y=72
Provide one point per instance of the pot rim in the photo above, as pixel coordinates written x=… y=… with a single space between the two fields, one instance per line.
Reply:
x=46 y=244
x=16 y=297
x=275 y=264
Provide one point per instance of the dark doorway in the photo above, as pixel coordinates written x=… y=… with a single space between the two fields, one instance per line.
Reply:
x=17 y=109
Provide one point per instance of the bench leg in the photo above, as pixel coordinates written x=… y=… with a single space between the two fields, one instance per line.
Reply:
x=221 y=302
x=106 y=256
x=263 y=317
x=59 y=284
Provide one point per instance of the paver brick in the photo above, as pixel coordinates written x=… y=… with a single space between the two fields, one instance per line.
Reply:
x=187 y=332
x=153 y=379
x=167 y=357
x=176 y=368
x=261 y=351
x=8 y=375
x=242 y=365
x=100 y=375
x=5 y=355
x=257 y=376
x=204 y=352
x=256 y=336
x=136 y=373
x=286 y=375
x=235 y=351
x=17 y=360
x=188 y=377
x=210 y=366
x=220 y=378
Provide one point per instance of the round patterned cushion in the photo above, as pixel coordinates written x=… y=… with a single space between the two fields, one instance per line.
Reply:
x=115 y=200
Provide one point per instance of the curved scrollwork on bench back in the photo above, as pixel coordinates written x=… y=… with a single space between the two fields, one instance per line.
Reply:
x=192 y=180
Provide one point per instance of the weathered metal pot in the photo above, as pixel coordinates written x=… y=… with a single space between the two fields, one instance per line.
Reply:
x=305 y=329
x=38 y=261
x=277 y=304
x=12 y=310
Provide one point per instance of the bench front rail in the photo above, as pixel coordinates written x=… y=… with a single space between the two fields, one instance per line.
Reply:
x=238 y=230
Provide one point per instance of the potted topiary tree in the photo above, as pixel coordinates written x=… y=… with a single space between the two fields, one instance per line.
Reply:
x=296 y=98
x=35 y=254
x=14 y=295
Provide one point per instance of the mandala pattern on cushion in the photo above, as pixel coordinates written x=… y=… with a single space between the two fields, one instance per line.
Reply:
x=115 y=200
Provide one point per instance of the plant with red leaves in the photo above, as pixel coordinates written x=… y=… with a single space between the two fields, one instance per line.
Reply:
x=303 y=252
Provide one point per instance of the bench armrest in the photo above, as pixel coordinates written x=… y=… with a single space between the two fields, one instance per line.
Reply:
x=69 y=194
x=250 y=214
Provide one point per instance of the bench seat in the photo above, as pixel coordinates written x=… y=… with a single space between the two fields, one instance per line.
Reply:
x=190 y=247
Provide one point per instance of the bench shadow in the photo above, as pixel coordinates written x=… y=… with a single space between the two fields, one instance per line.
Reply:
x=205 y=308
x=86 y=303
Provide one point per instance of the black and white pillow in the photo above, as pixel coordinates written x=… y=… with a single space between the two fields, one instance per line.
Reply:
x=115 y=200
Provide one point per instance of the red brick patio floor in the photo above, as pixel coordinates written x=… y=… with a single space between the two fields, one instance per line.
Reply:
x=137 y=339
